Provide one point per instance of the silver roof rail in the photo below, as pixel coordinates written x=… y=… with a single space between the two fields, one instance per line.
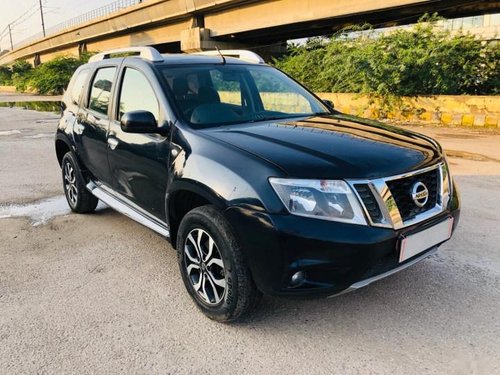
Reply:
x=147 y=53
x=238 y=53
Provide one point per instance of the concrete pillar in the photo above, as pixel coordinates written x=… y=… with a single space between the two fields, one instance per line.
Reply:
x=82 y=49
x=197 y=39
x=36 y=60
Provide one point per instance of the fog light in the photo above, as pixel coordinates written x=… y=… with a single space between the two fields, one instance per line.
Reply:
x=298 y=278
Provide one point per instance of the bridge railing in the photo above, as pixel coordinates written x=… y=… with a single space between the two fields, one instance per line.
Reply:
x=82 y=19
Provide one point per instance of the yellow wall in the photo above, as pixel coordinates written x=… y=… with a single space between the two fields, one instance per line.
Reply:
x=441 y=110
x=7 y=89
x=480 y=111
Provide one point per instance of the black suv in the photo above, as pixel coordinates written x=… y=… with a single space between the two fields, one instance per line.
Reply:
x=259 y=185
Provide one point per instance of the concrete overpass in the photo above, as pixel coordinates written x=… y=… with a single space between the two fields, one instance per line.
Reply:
x=193 y=25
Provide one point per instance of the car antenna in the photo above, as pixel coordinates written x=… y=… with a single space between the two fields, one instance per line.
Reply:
x=221 y=55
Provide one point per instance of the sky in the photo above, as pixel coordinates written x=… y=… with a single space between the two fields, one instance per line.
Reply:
x=56 y=11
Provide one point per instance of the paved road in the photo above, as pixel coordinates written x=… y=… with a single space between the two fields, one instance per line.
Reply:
x=101 y=294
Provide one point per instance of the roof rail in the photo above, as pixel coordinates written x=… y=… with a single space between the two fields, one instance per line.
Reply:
x=148 y=53
x=238 y=53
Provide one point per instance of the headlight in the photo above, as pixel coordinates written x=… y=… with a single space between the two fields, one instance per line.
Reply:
x=323 y=199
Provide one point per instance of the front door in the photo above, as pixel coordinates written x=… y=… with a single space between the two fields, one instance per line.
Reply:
x=138 y=162
x=92 y=125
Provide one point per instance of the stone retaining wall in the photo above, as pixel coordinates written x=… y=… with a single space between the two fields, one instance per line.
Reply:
x=450 y=110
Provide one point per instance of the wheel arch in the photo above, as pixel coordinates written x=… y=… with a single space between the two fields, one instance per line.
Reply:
x=184 y=196
x=62 y=147
x=63 y=144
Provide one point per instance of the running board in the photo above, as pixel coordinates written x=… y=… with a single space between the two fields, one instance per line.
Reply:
x=127 y=209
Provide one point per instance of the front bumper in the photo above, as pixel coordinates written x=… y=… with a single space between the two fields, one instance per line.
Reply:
x=336 y=257
x=366 y=282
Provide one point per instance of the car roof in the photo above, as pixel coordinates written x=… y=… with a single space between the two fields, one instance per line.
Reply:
x=182 y=58
x=151 y=55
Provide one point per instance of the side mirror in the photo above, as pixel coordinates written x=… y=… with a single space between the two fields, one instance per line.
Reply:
x=139 y=122
x=328 y=103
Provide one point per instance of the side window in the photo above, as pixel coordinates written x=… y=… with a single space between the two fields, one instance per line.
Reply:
x=227 y=86
x=137 y=94
x=277 y=94
x=77 y=89
x=101 y=90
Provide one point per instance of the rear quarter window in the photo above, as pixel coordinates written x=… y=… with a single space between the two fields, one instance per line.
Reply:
x=100 y=93
x=78 y=86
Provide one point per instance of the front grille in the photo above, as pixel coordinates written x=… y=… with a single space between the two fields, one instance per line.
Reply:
x=369 y=202
x=401 y=190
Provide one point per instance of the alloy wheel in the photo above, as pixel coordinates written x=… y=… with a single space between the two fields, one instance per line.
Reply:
x=204 y=266
x=70 y=183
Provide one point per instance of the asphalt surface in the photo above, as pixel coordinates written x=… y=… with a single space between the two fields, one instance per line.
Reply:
x=99 y=293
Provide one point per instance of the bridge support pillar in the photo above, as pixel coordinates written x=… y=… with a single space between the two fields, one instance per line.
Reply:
x=82 y=49
x=36 y=60
x=198 y=39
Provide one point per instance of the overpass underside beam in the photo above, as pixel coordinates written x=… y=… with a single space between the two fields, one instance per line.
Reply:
x=270 y=21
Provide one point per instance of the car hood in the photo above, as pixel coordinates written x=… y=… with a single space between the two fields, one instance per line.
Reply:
x=333 y=146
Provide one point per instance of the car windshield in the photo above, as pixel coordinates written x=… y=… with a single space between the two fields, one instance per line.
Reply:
x=212 y=95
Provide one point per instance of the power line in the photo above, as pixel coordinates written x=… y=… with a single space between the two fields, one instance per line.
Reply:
x=10 y=35
x=25 y=17
x=41 y=15
x=22 y=15
x=37 y=6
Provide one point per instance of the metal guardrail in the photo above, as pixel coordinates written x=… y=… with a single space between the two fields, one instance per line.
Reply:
x=82 y=19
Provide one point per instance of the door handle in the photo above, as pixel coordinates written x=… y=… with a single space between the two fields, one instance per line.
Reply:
x=112 y=143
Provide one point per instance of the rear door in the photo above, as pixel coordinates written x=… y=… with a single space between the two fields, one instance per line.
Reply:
x=139 y=162
x=92 y=124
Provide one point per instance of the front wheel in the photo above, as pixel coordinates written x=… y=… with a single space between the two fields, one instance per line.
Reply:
x=79 y=198
x=213 y=267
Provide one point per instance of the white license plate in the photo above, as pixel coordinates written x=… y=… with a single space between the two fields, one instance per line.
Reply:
x=418 y=242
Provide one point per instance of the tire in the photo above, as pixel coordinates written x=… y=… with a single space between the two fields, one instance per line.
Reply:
x=79 y=199
x=221 y=284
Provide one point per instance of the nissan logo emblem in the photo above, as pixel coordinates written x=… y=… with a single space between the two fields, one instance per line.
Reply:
x=420 y=194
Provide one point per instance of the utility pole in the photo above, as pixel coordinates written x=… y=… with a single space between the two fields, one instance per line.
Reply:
x=10 y=35
x=41 y=15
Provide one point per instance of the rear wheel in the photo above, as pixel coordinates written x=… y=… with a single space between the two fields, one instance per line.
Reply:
x=79 y=198
x=213 y=267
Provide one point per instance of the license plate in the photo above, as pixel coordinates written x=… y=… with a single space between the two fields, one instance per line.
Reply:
x=421 y=241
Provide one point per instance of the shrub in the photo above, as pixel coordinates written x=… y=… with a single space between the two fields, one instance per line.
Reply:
x=5 y=76
x=53 y=76
x=21 y=74
x=421 y=60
